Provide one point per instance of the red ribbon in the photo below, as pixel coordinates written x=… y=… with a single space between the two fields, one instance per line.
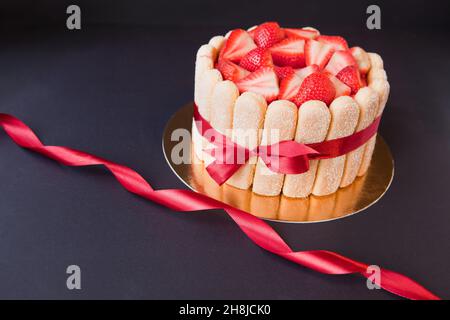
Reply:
x=288 y=157
x=185 y=200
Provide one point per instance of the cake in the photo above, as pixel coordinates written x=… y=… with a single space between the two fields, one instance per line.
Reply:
x=304 y=86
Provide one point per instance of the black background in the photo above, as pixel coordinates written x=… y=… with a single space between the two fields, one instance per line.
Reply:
x=110 y=88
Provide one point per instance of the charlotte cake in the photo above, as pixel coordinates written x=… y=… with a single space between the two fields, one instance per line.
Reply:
x=309 y=87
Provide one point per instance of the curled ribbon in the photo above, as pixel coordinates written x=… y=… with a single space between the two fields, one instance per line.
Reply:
x=288 y=157
x=185 y=200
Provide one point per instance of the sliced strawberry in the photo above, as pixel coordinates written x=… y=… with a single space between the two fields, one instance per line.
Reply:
x=238 y=44
x=263 y=81
x=316 y=86
x=252 y=31
x=231 y=71
x=289 y=52
x=255 y=59
x=350 y=76
x=341 y=88
x=301 y=33
x=283 y=72
x=267 y=34
x=306 y=71
x=362 y=59
x=289 y=87
x=339 y=60
x=337 y=42
x=317 y=53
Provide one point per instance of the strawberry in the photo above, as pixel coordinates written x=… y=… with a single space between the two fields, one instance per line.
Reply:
x=301 y=33
x=289 y=87
x=283 y=72
x=263 y=81
x=306 y=71
x=316 y=86
x=255 y=59
x=339 y=60
x=350 y=76
x=338 y=43
x=289 y=52
x=252 y=31
x=317 y=53
x=341 y=88
x=231 y=71
x=238 y=44
x=267 y=34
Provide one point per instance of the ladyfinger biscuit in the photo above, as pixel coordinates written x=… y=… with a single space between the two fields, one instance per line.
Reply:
x=204 y=89
x=203 y=97
x=264 y=207
x=382 y=88
x=205 y=58
x=279 y=125
x=312 y=126
x=321 y=208
x=217 y=42
x=293 y=209
x=376 y=61
x=223 y=99
x=199 y=144
x=376 y=73
x=248 y=118
x=207 y=50
x=362 y=58
x=344 y=118
x=367 y=100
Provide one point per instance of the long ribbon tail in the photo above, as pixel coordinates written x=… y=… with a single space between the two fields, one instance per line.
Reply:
x=256 y=229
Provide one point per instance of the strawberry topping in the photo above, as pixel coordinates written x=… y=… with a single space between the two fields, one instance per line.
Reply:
x=296 y=64
x=338 y=43
x=289 y=52
x=350 y=76
x=267 y=34
x=341 y=88
x=339 y=60
x=283 y=72
x=255 y=59
x=301 y=33
x=263 y=81
x=317 y=53
x=306 y=71
x=231 y=71
x=239 y=43
x=289 y=87
x=316 y=86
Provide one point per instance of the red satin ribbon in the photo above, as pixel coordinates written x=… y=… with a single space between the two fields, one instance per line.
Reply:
x=288 y=157
x=185 y=200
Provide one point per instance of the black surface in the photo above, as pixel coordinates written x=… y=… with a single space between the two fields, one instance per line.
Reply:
x=109 y=89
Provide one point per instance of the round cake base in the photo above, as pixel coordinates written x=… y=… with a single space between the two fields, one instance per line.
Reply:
x=361 y=194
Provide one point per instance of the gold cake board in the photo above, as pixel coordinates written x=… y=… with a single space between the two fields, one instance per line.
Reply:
x=361 y=194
